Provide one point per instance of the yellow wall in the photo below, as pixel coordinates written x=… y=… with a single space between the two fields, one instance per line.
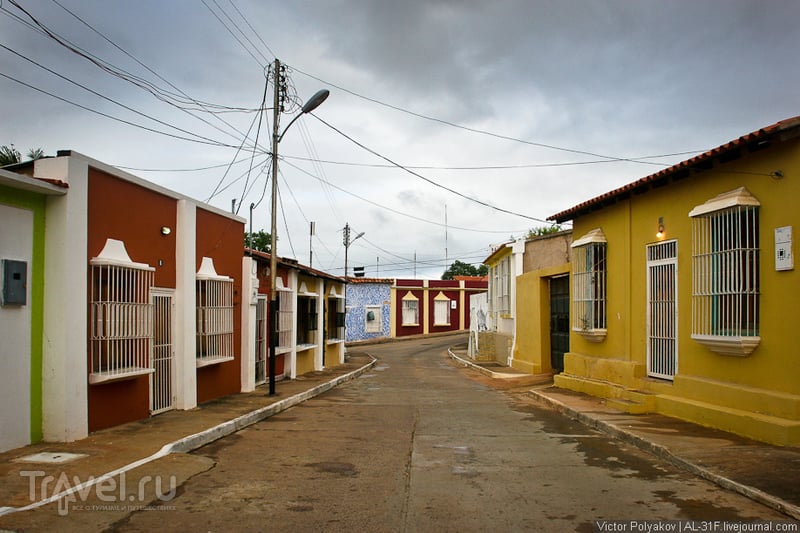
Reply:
x=769 y=378
x=532 y=348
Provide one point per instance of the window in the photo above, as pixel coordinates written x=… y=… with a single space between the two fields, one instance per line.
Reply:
x=501 y=287
x=373 y=319
x=441 y=310
x=214 y=321
x=306 y=320
x=121 y=315
x=589 y=285
x=410 y=310
x=725 y=273
x=285 y=301
x=335 y=314
x=214 y=324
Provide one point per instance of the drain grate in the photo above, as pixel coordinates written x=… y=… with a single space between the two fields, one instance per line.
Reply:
x=50 y=457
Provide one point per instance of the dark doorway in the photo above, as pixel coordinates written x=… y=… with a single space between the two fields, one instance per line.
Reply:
x=559 y=321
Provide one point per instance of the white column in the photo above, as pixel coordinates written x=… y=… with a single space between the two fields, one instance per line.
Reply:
x=320 y=290
x=249 y=301
x=290 y=358
x=185 y=306
x=65 y=415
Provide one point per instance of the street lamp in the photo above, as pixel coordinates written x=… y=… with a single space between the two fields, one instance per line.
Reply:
x=308 y=107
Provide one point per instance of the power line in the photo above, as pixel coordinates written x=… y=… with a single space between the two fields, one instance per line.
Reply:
x=435 y=223
x=413 y=173
x=476 y=130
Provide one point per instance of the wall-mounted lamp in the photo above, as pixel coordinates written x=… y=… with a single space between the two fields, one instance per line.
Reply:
x=660 y=232
x=166 y=230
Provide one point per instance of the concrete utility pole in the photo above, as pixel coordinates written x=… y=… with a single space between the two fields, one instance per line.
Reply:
x=308 y=107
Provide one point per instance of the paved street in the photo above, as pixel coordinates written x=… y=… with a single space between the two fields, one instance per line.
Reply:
x=420 y=444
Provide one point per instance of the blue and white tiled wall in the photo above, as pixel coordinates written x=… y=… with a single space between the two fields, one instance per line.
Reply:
x=361 y=295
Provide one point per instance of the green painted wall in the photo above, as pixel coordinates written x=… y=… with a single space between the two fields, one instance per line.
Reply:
x=36 y=203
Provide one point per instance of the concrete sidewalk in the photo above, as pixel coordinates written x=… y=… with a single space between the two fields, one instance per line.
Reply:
x=110 y=452
x=763 y=472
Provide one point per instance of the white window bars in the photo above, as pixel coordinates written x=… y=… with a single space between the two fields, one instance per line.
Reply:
x=589 y=285
x=725 y=273
x=214 y=325
x=410 y=312
x=121 y=315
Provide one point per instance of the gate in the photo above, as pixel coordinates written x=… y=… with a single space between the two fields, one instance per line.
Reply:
x=559 y=321
x=261 y=340
x=163 y=353
x=662 y=310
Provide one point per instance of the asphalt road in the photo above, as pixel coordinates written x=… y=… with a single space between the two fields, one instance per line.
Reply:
x=420 y=444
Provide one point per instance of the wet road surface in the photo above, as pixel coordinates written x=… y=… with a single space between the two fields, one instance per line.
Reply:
x=420 y=444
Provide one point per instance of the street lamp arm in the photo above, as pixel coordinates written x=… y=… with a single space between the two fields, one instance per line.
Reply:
x=312 y=103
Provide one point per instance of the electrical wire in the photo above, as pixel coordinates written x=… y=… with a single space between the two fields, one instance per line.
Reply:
x=413 y=173
x=435 y=223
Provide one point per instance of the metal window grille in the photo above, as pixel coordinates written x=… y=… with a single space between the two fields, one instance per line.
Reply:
x=662 y=309
x=441 y=312
x=336 y=318
x=261 y=340
x=121 y=320
x=410 y=315
x=306 y=320
x=589 y=287
x=725 y=274
x=214 y=319
x=285 y=318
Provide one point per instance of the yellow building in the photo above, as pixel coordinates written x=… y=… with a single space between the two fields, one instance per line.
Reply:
x=542 y=304
x=684 y=290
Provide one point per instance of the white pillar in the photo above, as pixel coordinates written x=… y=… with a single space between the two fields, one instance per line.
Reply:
x=249 y=301
x=185 y=306
x=290 y=359
x=65 y=411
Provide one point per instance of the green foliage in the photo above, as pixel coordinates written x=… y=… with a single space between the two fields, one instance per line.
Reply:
x=459 y=268
x=543 y=230
x=9 y=155
x=258 y=240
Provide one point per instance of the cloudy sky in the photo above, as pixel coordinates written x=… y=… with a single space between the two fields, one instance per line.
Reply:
x=489 y=116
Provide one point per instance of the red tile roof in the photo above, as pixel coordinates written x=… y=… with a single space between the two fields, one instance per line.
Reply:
x=755 y=138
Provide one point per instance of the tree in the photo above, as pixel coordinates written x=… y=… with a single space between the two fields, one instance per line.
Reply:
x=543 y=230
x=258 y=240
x=459 y=268
x=9 y=155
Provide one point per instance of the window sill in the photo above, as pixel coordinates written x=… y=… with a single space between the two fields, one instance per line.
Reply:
x=280 y=350
x=738 y=346
x=98 y=378
x=592 y=335
x=410 y=325
x=441 y=325
x=304 y=347
x=208 y=361
x=334 y=341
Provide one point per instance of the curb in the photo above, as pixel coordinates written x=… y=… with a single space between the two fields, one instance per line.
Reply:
x=663 y=452
x=198 y=440
x=479 y=368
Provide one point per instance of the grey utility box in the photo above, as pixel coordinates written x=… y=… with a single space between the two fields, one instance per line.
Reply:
x=15 y=282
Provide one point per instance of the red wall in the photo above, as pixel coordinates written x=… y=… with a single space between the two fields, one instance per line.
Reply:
x=222 y=239
x=121 y=210
x=404 y=286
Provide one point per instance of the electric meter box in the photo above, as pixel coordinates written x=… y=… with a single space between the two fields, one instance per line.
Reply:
x=14 y=280
x=784 y=259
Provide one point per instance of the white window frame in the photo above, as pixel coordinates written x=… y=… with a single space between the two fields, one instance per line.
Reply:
x=214 y=316
x=410 y=310
x=441 y=310
x=375 y=325
x=121 y=316
x=286 y=319
x=726 y=273
x=589 y=286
